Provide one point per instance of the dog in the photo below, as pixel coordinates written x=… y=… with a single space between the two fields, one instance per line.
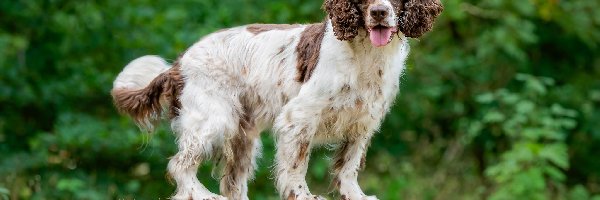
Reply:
x=325 y=83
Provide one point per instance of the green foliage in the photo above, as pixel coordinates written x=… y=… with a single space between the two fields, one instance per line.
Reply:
x=531 y=161
x=4 y=193
x=501 y=100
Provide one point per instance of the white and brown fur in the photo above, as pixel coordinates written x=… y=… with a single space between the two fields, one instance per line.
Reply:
x=311 y=84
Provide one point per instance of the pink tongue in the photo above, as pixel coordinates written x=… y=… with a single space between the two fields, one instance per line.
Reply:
x=380 y=36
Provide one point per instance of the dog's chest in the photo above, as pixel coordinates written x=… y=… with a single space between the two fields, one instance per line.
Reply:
x=357 y=107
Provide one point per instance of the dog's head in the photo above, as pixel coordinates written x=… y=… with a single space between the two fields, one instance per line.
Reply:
x=382 y=18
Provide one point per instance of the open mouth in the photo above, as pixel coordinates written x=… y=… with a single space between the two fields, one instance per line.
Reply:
x=381 y=35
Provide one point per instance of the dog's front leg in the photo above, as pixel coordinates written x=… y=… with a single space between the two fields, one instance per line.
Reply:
x=349 y=159
x=294 y=129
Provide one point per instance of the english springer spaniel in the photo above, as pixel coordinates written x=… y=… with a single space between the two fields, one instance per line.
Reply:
x=325 y=83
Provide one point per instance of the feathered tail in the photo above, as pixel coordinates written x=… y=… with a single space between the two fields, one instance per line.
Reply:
x=146 y=88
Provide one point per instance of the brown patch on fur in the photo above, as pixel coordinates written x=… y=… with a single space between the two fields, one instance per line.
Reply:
x=418 y=16
x=238 y=159
x=292 y=195
x=174 y=88
x=340 y=157
x=363 y=158
x=380 y=73
x=145 y=105
x=344 y=197
x=260 y=28
x=345 y=88
x=359 y=103
x=363 y=161
x=346 y=18
x=335 y=183
x=246 y=119
x=302 y=154
x=308 y=50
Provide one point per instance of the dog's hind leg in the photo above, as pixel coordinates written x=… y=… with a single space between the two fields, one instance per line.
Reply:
x=240 y=152
x=206 y=119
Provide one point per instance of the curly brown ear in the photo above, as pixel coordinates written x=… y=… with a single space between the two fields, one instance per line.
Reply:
x=345 y=18
x=418 y=16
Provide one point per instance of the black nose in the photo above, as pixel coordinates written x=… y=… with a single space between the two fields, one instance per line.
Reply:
x=379 y=12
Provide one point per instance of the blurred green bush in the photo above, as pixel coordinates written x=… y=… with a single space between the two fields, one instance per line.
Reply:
x=500 y=101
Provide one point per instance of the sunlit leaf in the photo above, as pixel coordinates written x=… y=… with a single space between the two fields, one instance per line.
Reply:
x=493 y=117
x=556 y=154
